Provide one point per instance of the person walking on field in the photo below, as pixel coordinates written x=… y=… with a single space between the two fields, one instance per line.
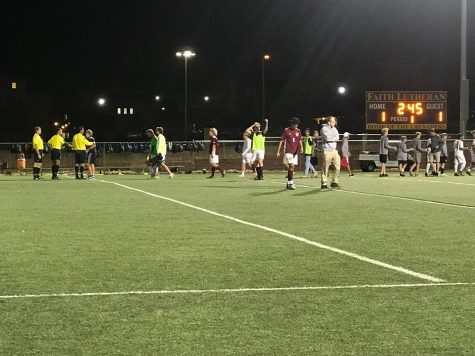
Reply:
x=38 y=147
x=162 y=151
x=402 y=155
x=258 y=137
x=435 y=152
x=291 y=140
x=213 y=153
x=308 y=147
x=443 y=154
x=384 y=148
x=459 y=157
x=330 y=137
x=246 y=154
x=345 y=153
x=418 y=150
x=472 y=155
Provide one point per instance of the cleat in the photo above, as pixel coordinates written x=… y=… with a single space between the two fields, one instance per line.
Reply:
x=352 y=175
x=241 y=175
x=426 y=174
x=171 y=175
x=324 y=186
x=469 y=173
x=291 y=187
x=456 y=174
x=381 y=175
x=210 y=177
x=223 y=174
x=411 y=174
x=461 y=174
x=334 y=185
x=401 y=174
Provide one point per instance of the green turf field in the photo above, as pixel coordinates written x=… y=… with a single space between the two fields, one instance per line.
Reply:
x=381 y=267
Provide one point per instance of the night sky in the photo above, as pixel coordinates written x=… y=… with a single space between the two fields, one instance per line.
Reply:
x=73 y=52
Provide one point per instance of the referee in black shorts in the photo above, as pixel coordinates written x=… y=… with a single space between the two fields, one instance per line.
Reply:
x=79 y=146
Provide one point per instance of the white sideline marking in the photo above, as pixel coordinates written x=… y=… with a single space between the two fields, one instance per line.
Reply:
x=389 y=196
x=291 y=236
x=429 y=180
x=229 y=290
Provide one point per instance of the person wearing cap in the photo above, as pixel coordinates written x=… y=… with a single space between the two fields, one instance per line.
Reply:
x=291 y=140
x=345 y=153
x=472 y=154
x=402 y=155
x=443 y=153
x=384 y=148
x=459 y=157
x=435 y=152
x=308 y=152
x=418 y=150
x=330 y=137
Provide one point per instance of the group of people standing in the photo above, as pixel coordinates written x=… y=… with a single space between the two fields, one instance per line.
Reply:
x=436 y=153
x=83 y=144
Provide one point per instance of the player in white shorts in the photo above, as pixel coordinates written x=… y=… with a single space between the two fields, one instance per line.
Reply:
x=459 y=157
x=246 y=154
x=258 y=137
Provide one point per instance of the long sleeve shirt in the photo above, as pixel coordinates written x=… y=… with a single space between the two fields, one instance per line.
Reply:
x=384 y=145
x=402 y=151
x=330 y=137
x=417 y=145
x=443 y=148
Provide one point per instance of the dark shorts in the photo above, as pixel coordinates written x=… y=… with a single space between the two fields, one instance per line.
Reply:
x=38 y=158
x=55 y=154
x=79 y=157
x=443 y=159
x=383 y=158
x=156 y=160
x=91 y=158
x=402 y=162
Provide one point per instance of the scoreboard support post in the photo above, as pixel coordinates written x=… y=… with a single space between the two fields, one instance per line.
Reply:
x=464 y=84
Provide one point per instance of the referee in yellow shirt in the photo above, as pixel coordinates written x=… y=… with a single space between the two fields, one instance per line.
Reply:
x=79 y=146
x=56 y=143
x=38 y=147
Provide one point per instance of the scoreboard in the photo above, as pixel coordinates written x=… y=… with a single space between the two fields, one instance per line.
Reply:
x=406 y=110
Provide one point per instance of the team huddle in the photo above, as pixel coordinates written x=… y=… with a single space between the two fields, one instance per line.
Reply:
x=291 y=145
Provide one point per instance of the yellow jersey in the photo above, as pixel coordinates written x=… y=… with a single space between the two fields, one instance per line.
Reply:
x=56 y=142
x=162 y=144
x=38 y=142
x=80 y=142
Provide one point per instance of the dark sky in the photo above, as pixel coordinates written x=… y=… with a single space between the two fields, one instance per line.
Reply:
x=104 y=47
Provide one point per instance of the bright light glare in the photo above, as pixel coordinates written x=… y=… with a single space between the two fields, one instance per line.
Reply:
x=163 y=109
x=266 y=57
x=56 y=123
x=101 y=101
x=157 y=98
x=341 y=90
x=206 y=98
x=186 y=54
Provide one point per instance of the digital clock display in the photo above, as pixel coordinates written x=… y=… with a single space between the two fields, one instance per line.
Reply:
x=406 y=110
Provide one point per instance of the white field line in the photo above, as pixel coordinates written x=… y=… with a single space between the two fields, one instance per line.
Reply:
x=285 y=234
x=432 y=180
x=388 y=196
x=231 y=290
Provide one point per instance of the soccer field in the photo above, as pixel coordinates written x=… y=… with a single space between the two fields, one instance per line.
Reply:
x=191 y=266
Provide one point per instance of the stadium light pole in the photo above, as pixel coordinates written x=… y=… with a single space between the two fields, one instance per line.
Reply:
x=186 y=55
x=464 y=82
x=265 y=58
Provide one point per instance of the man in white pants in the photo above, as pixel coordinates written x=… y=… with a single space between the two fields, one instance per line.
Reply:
x=330 y=137
x=459 y=157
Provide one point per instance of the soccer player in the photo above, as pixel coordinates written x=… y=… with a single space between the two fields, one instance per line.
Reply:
x=91 y=154
x=258 y=138
x=402 y=155
x=345 y=153
x=79 y=146
x=443 y=154
x=308 y=152
x=153 y=159
x=435 y=148
x=330 y=137
x=292 y=141
x=56 y=142
x=428 y=165
x=38 y=147
x=472 y=154
x=459 y=157
x=213 y=153
x=246 y=153
x=384 y=148
x=162 y=151
x=417 y=147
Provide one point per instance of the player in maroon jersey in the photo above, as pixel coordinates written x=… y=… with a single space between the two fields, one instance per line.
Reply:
x=213 y=153
x=292 y=141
